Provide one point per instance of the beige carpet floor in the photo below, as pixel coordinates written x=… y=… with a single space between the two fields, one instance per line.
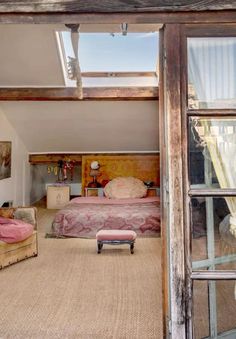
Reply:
x=69 y=291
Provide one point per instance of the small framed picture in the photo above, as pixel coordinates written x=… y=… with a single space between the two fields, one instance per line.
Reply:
x=5 y=159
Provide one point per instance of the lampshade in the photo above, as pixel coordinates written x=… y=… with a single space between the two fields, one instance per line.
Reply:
x=94 y=165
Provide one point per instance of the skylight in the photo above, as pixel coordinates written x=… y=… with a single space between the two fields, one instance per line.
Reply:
x=112 y=53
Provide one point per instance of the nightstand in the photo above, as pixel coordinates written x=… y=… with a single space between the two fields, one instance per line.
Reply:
x=153 y=191
x=94 y=192
x=57 y=196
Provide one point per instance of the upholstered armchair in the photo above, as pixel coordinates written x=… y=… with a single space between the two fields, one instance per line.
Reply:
x=11 y=253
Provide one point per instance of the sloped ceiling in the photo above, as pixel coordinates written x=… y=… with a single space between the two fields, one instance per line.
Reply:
x=94 y=126
x=29 y=57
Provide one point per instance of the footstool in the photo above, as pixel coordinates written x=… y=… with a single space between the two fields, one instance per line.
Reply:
x=115 y=237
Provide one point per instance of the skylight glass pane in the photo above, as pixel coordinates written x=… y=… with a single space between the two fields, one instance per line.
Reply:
x=105 y=52
x=120 y=82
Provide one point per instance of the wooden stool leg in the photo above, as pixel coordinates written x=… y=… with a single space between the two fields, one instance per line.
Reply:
x=99 y=245
x=132 y=248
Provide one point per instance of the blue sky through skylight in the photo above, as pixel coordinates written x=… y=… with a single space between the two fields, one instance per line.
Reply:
x=103 y=52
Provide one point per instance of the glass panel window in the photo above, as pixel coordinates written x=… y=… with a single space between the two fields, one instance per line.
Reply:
x=213 y=233
x=105 y=52
x=212 y=152
x=212 y=72
x=112 y=53
x=214 y=309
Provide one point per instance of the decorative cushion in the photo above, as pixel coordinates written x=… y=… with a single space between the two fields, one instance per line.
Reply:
x=12 y=230
x=115 y=235
x=124 y=188
x=7 y=212
x=26 y=214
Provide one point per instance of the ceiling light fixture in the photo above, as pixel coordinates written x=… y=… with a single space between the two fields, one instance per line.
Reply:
x=124 y=28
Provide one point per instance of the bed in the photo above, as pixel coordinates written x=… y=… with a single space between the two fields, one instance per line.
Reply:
x=85 y=216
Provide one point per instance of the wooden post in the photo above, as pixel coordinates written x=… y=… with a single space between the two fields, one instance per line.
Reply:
x=163 y=185
x=174 y=186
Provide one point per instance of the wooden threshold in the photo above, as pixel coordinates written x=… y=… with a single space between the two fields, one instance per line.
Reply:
x=70 y=94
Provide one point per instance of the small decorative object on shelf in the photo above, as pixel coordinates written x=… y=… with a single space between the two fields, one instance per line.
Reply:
x=149 y=183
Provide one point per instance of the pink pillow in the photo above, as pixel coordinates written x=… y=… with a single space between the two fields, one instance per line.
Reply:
x=125 y=188
x=12 y=230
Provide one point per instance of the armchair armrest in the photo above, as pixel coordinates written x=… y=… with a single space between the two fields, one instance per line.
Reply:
x=7 y=212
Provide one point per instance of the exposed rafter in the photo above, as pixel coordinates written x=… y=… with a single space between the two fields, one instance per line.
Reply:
x=70 y=94
x=118 y=6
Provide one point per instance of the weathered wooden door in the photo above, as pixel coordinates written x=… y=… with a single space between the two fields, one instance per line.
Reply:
x=172 y=181
x=198 y=145
x=209 y=119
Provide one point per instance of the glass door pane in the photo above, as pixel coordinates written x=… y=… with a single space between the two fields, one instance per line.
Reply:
x=212 y=152
x=212 y=72
x=214 y=309
x=213 y=233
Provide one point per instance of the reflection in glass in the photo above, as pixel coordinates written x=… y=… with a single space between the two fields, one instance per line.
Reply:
x=213 y=152
x=200 y=309
x=213 y=233
x=212 y=72
x=214 y=309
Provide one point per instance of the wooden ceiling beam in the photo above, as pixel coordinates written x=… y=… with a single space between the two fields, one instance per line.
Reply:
x=117 y=74
x=70 y=94
x=52 y=158
x=37 y=159
x=224 y=16
x=117 y=6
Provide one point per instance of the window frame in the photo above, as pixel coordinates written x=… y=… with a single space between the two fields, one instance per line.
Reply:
x=198 y=31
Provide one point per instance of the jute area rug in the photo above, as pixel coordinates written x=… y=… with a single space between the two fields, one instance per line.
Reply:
x=69 y=291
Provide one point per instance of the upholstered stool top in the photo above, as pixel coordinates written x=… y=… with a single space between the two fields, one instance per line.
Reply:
x=116 y=235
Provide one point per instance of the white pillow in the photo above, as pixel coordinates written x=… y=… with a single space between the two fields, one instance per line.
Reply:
x=124 y=188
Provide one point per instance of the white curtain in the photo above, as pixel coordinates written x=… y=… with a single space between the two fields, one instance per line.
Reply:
x=219 y=136
x=212 y=71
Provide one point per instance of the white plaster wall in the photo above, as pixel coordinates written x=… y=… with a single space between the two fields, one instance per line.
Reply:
x=16 y=188
x=38 y=188
x=85 y=126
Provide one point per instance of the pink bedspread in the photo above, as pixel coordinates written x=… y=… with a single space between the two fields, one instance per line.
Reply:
x=83 y=217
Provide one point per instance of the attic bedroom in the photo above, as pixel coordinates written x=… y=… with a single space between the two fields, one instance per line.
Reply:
x=117 y=169
x=60 y=124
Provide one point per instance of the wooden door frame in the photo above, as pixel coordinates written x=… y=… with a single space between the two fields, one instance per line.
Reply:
x=173 y=137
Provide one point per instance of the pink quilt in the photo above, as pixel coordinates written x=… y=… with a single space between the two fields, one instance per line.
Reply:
x=83 y=217
x=12 y=230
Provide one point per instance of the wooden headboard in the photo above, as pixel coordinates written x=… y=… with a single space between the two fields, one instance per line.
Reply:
x=144 y=167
